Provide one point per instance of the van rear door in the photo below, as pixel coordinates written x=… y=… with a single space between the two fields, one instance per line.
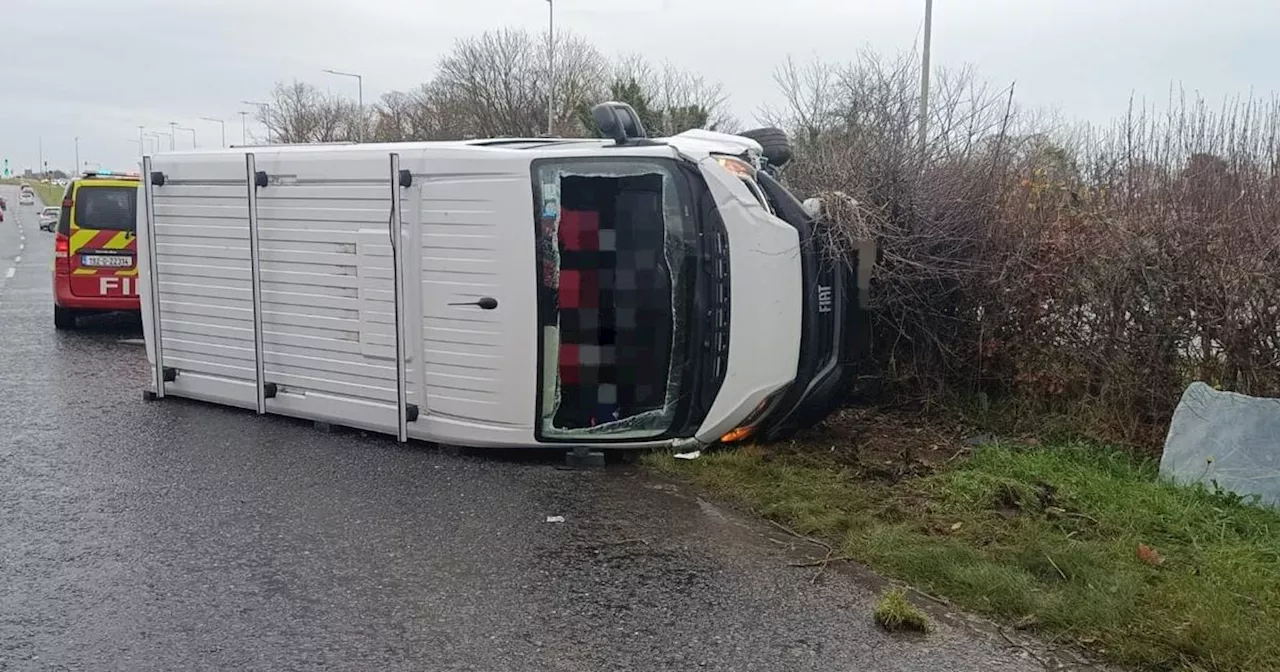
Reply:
x=102 y=216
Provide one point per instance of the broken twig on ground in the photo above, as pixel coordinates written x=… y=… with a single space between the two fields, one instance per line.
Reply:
x=797 y=535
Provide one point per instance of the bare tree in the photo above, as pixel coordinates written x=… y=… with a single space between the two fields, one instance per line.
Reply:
x=299 y=113
x=496 y=84
x=393 y=117
x=811 y=98
x=679 y=99
x=499 y=82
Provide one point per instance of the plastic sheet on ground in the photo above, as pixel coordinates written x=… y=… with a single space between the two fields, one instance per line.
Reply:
x=1228 y=439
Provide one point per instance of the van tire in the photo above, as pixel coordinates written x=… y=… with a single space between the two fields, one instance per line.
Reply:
x=63 y=318
x=774 y=141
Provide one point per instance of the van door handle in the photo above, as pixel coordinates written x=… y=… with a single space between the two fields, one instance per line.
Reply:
x=484 y=302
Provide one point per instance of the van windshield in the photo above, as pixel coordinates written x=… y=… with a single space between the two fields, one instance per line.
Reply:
x=618 y=249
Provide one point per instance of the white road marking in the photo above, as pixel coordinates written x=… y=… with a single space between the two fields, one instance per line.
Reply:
x=17 y=259
x=9 y=273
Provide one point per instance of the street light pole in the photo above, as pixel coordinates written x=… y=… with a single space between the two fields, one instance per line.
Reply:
x=244 y=127
x=193 y=135
x=173 y=135
x=142 y=147
x=551 y=67
x=924 y=75
x=221 y=123
x=77 y=154
x=360 y=94
x=261 y=118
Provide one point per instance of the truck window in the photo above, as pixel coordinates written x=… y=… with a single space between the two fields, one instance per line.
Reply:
x=618 y=242
x=104 y=208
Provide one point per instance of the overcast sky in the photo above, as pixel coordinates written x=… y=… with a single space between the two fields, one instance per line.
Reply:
x=96 y=69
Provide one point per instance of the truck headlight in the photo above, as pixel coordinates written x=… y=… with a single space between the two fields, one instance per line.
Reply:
x=737 y=166
x=747 y=428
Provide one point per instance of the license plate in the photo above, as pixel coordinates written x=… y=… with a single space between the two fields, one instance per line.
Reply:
x=106 y=261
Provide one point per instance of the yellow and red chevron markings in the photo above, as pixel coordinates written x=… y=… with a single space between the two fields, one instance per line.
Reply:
x=91 y=239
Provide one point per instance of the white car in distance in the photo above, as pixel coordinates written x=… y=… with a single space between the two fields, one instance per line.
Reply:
x=49 y=217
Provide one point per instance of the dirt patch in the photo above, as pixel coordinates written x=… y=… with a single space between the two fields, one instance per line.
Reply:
x=888 y=445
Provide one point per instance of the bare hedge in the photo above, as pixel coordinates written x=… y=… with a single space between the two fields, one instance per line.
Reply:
x=1088 y=271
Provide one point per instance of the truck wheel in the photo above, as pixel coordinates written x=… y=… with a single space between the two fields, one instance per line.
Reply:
x=777 y=148
x=63 y=318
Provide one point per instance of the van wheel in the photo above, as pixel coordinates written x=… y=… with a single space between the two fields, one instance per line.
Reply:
x=63 y=318
x=777 y=148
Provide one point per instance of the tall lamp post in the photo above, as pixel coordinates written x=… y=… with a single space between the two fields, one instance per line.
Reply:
x=173 y=135
x=360 y=95
x=222 y=124
x=141 y=142
x=155 y=139
x=245 y=115
x=551 y=67
x=924 y=75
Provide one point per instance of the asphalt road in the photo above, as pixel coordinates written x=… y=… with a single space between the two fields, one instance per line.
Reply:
x=177 y=536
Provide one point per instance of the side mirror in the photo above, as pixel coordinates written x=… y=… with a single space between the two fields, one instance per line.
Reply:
x=618 y=121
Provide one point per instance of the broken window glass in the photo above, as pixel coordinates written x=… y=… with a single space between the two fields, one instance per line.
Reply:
x=615 y=242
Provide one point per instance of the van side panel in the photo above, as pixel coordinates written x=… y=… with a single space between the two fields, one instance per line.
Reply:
x=328 y=311
x=326 y=275
x=475 y=234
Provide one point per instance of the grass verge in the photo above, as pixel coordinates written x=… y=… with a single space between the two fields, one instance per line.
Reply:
x=1068 y=539
x=49 y=194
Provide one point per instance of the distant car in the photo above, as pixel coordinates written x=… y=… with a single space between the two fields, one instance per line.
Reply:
x=3 y=204
x=49 y=217
x=27 y=197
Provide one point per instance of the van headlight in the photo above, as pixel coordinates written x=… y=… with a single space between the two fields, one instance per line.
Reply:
x=747 y=428
x=746 y=172
x=738 y=167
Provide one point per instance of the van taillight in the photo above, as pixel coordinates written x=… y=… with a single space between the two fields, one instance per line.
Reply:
x=61 y=247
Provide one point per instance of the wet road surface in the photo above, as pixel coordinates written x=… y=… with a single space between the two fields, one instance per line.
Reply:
x=173 y=535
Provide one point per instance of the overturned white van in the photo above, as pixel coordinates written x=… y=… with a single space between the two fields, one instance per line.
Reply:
x=519 y=292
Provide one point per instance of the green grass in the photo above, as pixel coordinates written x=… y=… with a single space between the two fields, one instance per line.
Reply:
x=49 y=194
x=896 y=614
x=1046 y=538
